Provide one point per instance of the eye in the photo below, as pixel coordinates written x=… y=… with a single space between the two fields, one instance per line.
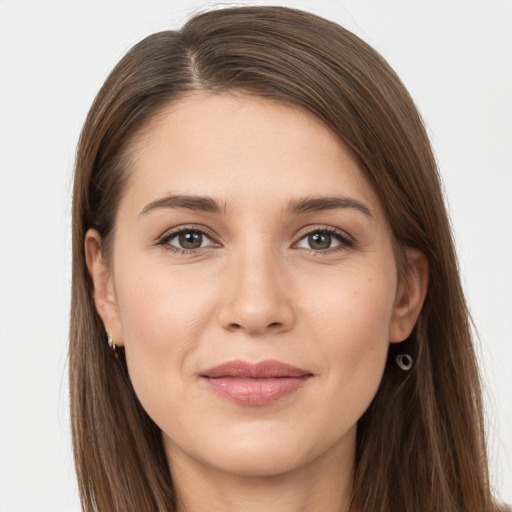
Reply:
x=324 y=239
x=187 y=240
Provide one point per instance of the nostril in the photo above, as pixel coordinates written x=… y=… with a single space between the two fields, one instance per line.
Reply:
x=236 y=327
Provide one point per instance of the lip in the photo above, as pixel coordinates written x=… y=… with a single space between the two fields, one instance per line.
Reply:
x=255 y=384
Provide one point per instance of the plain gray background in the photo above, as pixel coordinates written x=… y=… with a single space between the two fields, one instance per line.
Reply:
x=454 y=56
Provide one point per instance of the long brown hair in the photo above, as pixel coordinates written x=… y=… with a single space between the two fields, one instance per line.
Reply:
x=420 y=445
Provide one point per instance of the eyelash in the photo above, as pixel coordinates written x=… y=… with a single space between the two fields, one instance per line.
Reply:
x=167 y=237
x=345 y=241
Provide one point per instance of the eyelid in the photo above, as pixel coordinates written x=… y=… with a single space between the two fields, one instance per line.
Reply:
x=346 y=240
x=175 y=231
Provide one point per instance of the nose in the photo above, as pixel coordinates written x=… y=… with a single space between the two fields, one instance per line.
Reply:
x=255 y=294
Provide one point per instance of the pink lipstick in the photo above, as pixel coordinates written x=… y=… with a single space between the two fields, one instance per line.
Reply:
x=255 y=384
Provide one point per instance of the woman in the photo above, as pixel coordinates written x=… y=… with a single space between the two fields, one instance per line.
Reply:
x=266 y=311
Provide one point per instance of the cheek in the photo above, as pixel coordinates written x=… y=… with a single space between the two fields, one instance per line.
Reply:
x=155 y=309
x=356 y=306
x=353 y=322
x=162 y=318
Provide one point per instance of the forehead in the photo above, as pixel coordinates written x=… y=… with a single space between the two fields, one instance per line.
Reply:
x=241 y=148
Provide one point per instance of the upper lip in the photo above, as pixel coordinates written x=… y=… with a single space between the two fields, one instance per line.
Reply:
x=262 y=370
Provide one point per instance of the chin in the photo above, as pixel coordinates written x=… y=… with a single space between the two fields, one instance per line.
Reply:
x=260 y=462
x=266 y=450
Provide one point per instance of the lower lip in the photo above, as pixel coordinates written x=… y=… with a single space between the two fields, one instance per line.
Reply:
x=255 y=391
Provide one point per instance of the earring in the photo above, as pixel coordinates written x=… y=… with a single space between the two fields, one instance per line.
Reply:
x=404 y=362
x=111 y=342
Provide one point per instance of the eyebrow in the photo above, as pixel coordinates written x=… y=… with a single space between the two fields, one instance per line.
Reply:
x=185 y=202
x=319 y=204
x=295 y=207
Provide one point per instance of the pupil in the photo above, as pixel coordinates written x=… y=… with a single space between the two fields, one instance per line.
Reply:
x=190 y=240
x=319 y=241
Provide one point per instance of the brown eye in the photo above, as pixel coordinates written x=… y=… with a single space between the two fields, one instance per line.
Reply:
x=319 y=241
x=187 y=240
x=325 y=239
x=190 y=239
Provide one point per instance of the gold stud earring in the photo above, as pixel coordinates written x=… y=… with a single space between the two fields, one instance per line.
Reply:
x=111 y=342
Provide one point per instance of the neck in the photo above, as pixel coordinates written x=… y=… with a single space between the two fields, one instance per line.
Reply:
x=323 y=484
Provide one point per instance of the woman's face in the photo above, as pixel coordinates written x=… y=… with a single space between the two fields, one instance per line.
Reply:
x=253 y=284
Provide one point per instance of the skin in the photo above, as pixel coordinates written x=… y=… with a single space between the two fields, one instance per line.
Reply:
x=256 y=289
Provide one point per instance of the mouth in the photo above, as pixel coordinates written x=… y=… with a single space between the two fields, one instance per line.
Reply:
x=255 y=384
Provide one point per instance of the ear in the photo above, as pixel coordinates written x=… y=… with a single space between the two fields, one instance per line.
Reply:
x=104 y=295
x=410 y=296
